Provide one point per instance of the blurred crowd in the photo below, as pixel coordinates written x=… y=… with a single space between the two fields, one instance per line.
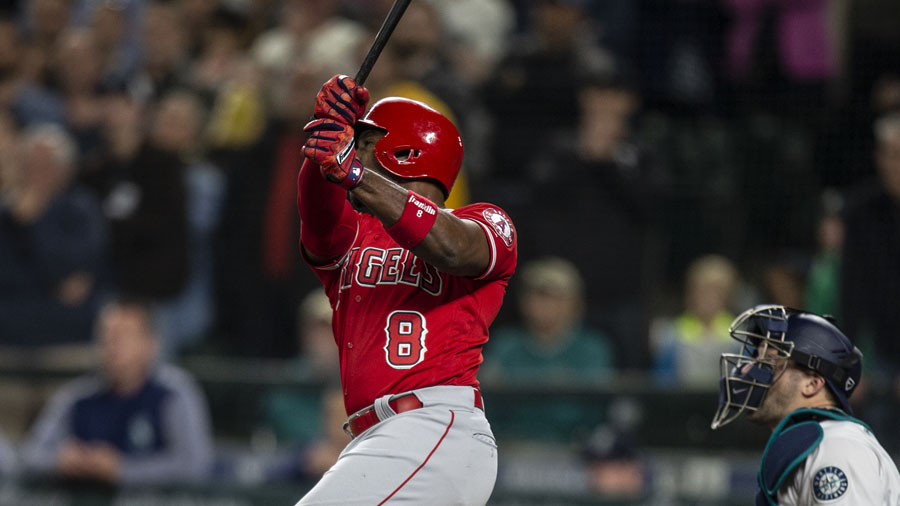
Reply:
x=666 y=162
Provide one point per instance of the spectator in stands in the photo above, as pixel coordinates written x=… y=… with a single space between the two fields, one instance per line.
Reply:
x=823 y=286
x=870 y=270
x=599 y=186
x=298 y=34
x=122 y=135
x=783 y=52
x=238 y=114
x=615 y=470
x=323 y=452
x=115 y=25
x=165 y=51
x=678 y=47
x=26 y=71
x=308 y=454
x=11 y=45
x=783 y=277
x=846 y=141
x=318 y=357
x=187 y=317
x=204 y=16
x=137 y=421
x=420 y=55
x=10 y=172
x=260 y=279
x=872 y=35
x=287 y=410
x=147 y=204
x=220 y=51
x=326 y=440
x=550 y=343
x=535 y=89
x=77 y=68
x=320 y=454
x=52 y=244
x=43 y=21
x=479 y=32
x=8 y=458
x=163 y=200
x=682 y=346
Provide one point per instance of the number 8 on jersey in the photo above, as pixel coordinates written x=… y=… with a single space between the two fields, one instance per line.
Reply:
x=405 y=345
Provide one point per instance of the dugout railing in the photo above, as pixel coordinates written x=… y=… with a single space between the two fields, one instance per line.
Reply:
x=544 y=431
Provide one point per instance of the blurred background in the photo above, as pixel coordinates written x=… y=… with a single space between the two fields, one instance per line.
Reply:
x=668 y=163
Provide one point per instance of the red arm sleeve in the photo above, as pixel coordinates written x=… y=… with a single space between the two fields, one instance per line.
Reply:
x=328 y=222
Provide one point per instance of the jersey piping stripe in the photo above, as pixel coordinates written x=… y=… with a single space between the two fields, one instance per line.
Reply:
x=441 y=440
x=490 y=239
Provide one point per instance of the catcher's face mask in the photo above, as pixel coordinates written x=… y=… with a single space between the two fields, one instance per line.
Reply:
x=747 y=376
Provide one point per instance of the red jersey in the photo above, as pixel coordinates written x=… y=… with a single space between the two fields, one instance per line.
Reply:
x=399 y=323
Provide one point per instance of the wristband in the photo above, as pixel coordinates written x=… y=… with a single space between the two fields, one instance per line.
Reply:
x=415 y=222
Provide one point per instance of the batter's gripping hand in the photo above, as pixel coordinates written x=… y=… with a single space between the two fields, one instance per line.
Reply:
x=341 y=99
x=331 y=144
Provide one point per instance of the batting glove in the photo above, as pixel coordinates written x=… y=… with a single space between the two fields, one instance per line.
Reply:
x=331 y=144
x=341 y=99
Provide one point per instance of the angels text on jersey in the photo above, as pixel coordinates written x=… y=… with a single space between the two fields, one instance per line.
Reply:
x=370 y=267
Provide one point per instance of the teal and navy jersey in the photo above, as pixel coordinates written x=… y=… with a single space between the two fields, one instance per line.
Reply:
x=162 y=431
x=849 y=467
x=818 y=456
x=133 y=424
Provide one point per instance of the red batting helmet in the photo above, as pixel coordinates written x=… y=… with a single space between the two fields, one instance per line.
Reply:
x=420 y=142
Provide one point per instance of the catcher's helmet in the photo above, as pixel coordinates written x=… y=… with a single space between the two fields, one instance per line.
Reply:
x=809 y=340
x=419 y=142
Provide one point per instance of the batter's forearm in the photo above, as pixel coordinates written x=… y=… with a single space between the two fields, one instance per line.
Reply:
x=452 y=245
x=462 y=248
x=381 y=196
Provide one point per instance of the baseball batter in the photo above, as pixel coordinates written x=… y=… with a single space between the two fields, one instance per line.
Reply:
x=414 y=288
x=795 y=374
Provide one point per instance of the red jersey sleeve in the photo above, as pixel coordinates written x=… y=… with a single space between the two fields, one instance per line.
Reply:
x=501 y=236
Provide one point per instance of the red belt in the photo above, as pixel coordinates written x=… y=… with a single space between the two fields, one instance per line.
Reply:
x=363 y=419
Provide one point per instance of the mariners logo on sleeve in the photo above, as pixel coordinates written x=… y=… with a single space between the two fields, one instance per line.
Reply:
x=829 y=483
x=500 y=223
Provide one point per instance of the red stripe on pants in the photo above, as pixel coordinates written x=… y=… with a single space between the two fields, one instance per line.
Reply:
x=447 y=430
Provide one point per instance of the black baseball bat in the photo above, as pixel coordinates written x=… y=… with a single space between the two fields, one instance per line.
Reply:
x=384 y=33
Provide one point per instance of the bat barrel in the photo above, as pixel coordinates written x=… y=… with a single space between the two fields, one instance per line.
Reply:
x=384 y=33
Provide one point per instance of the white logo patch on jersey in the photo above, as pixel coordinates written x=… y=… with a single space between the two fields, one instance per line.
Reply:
x=829 y=483
x=500 y=223
x=140 y=433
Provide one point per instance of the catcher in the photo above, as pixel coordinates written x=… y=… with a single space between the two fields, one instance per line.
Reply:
x=796 y=373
